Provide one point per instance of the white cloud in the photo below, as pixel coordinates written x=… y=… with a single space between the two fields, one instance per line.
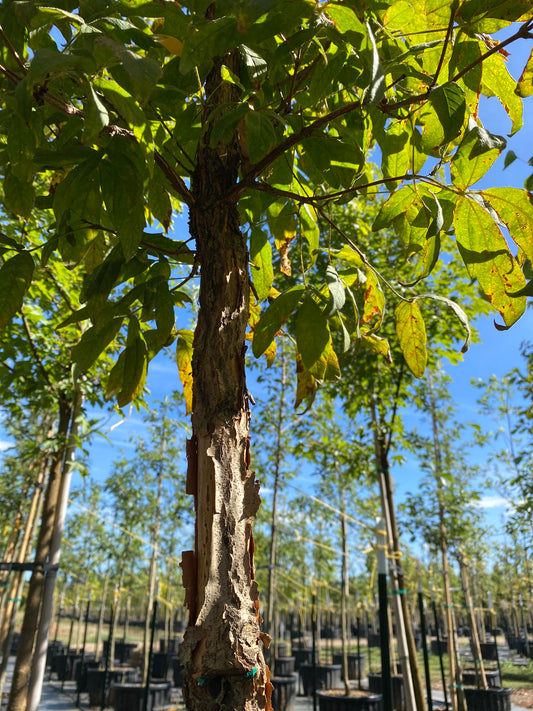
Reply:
x=493 y=502
x=4 y=445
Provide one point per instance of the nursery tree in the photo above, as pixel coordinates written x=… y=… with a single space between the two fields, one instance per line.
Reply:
x=255 y=117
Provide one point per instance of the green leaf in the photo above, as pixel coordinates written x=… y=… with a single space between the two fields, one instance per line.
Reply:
x=159 y=202
x=411 y=332
x=488 y=259
x=395 y=151
x=175 y=250
x=122 y=189
x=510 y=157
x=184 y=350
x=261 y=262
x=344 y=18
x=15 y=278
x=19 y=195
x=312 y=334
x=274 y=317
x=476 y=154
x=515 y=209
x=336 y=289
x=525 y=83
x=459 y=312
x=93 y=342
x=397 y=204
x=164 y=314
x=310 y=229
x=96 y=115
x=256 y=65
x=259 y=133
x=137 y=74
x=448 y=100
x=127 y=377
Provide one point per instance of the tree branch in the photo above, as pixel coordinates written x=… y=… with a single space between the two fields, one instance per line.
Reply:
x=289 y=142
x=13 y=51
x=35 y=352
x=175 y=180
x=525 y=32
x=313 y=200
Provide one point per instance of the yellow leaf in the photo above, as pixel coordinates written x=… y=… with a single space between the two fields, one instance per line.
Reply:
x=184 y=347
x=173 y=44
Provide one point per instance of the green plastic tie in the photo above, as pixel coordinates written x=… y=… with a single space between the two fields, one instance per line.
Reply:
x=251 y=673
x=201 y=681
x=400 y=592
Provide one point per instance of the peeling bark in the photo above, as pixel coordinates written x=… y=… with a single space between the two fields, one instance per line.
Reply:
x=221 y=652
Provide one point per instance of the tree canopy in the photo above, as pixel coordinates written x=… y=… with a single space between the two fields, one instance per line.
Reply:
x=254 y=117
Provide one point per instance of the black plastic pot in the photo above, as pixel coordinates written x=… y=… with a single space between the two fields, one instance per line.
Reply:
x=123 y=650
x=357 y=701
x=283 y=649
x=94 y=682
x=488 y=699
x=374 y=639
x=63 y=665
x=492 y=676
x=130 y=697
x=355 y=661
x=284 y=666
x=328 y=676
x=284 y=692
x=160 y=665
x=489 y=651
x=375 y=684
x=80 y=671
x=439 y=646
x=303 y=656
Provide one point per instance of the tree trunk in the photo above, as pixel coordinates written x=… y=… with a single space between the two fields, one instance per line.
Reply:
x=407 y=649
x=153 y=559
x=274 y=521
x=18 y=694
x=39 y=659
x=345 y=594
x=481 y=679
x=101 y=616
x=16 y=586
x=29 y=530
x=221 y=652
x=456 y=682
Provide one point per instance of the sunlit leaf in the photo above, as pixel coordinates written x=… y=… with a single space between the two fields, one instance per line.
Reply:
x=184 y=347
x=274 y=317
x=488 y=258
x=411 y=332
x=312 y=333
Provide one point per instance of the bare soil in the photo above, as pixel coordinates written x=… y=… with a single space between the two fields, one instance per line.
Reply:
x=523 y=698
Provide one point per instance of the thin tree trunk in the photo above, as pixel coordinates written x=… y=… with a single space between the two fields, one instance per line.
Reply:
x=99 y=630
x=456 y=687
x=481 y=679
x=274 y=521
x=155 y=540
x=345 y=594
x=47 y=607
x=17 y=584
x=406 y=645
x=221 y=652
x=29 y=530
x=21 y=673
